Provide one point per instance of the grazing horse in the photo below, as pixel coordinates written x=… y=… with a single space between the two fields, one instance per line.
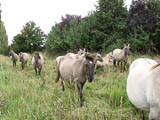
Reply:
x=13 y=56
x=143 y=86
x=37 y=62
x=77 y=70
x=121 y=56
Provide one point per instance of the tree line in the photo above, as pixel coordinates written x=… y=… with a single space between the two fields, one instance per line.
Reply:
x=108 y=27
x=3 y=39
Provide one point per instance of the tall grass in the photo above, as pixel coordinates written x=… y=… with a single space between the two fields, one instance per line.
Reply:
x=25 y=96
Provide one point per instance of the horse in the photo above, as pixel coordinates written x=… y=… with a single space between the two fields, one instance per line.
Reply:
x=77 y=70
x=143 y=86
x=121 y=56
x=37 y=62
x=14 y=57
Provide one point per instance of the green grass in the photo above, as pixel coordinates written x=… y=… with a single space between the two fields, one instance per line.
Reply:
x=25 y=96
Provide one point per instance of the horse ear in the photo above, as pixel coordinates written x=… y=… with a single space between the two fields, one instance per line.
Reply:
x=100 y=51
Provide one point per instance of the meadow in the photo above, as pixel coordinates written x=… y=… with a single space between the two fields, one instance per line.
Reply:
x=25 y=96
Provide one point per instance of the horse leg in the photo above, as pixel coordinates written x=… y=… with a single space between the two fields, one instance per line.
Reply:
x=35 y=70
x=40 y=68
x=14 y=63
x=80 y=88
x=153 y=114
x=71 y=82
x=143 y=118
x=105 y=68
x=121 y=66
x=58 y=76
x=124 y=66
x=62 y=83
x=118 y=63
x=114 y=65
x=22 y=65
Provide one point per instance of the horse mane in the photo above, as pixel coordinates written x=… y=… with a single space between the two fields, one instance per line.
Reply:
x=155 y=66
x=90 y=56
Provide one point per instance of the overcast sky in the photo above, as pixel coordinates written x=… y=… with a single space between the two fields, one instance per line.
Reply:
x=45 y=13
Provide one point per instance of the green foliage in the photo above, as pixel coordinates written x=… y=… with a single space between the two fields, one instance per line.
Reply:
x=65 y=35
x=143 y=26
x=109 y=27
x=103 y=29
x=3 y=39
x=140 y=42
x=30 y=39
x=110 y=24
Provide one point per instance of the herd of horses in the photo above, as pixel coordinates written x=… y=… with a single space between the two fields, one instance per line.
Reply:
x=37 y=60
x=143 y=83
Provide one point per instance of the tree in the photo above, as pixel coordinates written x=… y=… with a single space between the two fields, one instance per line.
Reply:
x=64 y=35
x=3 y=39
x=111 y=24
x=143 y=25
x=103 y=29
x=30 y=39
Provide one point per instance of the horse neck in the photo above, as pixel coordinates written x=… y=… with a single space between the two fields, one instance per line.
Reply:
x=81 y=65
x=77 y=55
x=13 y=55
x=22 y=58
x=124 y=53
x=36 y=59
x=106 y=59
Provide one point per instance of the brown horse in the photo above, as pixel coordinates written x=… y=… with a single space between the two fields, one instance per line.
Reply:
x=77 y=70
x=14 y=57
x=37 y=62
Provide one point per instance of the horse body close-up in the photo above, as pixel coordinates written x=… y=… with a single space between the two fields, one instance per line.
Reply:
x=143 y=86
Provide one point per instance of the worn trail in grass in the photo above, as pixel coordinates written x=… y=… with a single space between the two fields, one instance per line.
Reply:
x=25 y=96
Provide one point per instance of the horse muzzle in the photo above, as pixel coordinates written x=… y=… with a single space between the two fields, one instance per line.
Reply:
x=90 y=79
